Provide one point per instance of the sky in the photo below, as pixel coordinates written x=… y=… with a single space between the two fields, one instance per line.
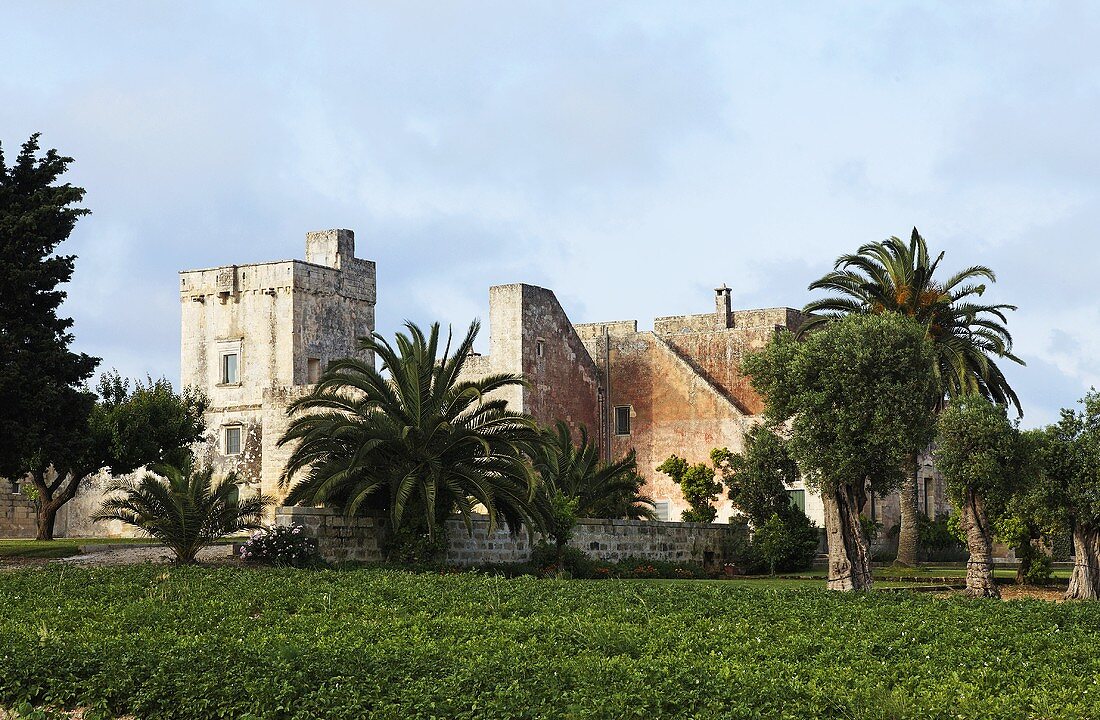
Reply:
x=629 y=156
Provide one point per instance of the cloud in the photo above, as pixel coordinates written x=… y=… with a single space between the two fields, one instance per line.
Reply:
x=630 y=157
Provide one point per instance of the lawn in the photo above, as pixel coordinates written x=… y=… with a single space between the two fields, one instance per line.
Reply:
x=226 y=642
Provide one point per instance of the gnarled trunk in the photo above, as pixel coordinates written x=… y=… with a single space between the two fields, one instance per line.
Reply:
x=1084 y=583
x=909 y=531
x=849 y=554
x=979 y=541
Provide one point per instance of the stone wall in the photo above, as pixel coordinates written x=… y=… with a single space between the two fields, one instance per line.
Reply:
x=339 y=538
x=357 y=539
x=601 y=539
x=17 y=518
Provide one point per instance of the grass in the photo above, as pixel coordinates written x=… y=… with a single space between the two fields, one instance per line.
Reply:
x=254 y=643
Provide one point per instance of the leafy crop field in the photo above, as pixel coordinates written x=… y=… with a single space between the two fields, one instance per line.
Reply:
x=243 y=643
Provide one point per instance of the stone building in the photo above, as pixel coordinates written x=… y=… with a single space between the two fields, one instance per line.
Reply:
x=255 y=337
x=675 y=389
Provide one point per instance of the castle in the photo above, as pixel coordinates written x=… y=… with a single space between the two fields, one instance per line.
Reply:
x=255 y=337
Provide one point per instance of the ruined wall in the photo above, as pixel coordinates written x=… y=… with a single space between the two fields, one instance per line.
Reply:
x=530 y=334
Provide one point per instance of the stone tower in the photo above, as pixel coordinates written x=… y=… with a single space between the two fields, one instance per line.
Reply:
x=254 y=337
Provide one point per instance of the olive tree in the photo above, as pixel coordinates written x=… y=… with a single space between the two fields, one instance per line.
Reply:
x=978 y=453
x=856 y=395
x=1070 y=466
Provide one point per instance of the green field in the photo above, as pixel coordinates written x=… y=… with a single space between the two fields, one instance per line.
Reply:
x=211 y=643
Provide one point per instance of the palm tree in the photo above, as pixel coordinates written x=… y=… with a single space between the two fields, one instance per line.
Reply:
x=601 y=490
x=416 y=445
x=184 y=508
x=968 y=336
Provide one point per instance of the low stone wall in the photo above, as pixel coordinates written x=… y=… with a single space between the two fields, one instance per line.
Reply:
x=357 y=539
x=17 y=516
x=699 y=543
x=339 y=538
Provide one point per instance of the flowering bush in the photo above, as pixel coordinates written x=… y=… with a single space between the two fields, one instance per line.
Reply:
x=281 y=545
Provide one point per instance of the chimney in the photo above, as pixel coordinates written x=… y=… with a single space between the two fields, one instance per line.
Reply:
x=332 y=248
x=723 y=315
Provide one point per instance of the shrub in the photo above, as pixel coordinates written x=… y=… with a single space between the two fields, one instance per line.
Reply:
x=787 y=544
x=740 y=551
x=413 y=545
x=553 y=561
x=281 y=545
x=940 y=539
x=1038 y=573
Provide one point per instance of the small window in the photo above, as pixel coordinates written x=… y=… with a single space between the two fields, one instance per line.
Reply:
x=929 y=498
x=313 y=370
x=798 y=499
x=663 y=509
x=540 y=347
x=622 y=420
x=233 y=440
x=231 y=368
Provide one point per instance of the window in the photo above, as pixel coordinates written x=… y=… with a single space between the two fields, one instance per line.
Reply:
x=798 y=499
x=929 y=498
x=622 y=420
x=663 y=509
x=540 y=347
x=313 y=370
x=231 y=368
x=233 y=440
x=234 y=495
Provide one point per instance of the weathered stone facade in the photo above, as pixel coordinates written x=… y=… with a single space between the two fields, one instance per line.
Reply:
x=677 y=389
x=255 y=337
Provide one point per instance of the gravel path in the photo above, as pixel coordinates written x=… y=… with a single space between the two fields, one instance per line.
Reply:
x=136 y=555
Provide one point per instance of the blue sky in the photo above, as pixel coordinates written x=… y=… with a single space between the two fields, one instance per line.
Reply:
x=629 y=156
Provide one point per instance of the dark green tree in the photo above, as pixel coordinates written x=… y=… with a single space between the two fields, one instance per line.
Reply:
x=698 y=485
x=42 y=396
x=1070 y=485
x=979 y=453
x=416 y=444
x=856 y=397
x=121 y=430
x=968 y=337
x=757 y=479
x=184 y=508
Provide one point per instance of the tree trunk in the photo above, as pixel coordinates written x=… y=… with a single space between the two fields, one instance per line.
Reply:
x=979 y=541
x=849 y=554
x=1026 y=554
x=909 y=532
x=47 y=516
x=1084 y=583
x=50 y=499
